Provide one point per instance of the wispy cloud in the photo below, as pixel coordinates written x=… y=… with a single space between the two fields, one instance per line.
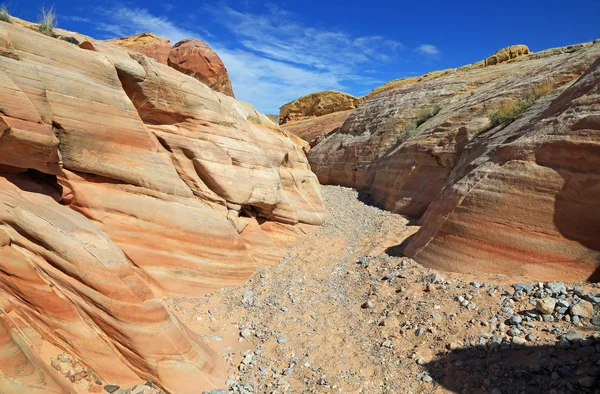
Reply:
x=274 y=57
x=122 y=21
x=428 y=50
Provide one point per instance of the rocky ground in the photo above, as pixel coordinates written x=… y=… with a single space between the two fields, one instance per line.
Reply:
x=345 y=313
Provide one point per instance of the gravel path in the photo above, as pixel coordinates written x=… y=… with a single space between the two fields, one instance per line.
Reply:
x=338 y=314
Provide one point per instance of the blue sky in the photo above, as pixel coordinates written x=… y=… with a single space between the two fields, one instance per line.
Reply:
x=278 y=51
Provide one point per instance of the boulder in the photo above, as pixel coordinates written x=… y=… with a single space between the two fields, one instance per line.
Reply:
x=195 y=58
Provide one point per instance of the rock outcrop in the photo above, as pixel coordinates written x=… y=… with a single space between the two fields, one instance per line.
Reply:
x=146 y=43
x=317 y=113
x=506 y=54
x=428 y=148
x=121 y=181
x=194 y=57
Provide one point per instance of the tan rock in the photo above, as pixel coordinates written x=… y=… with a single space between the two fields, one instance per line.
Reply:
x=545 y=305
x=491 y=199
x=506 y=54
x=317 y=104
x=582 y=309
x=146 y=43
x=117 y=178
x=194 y=57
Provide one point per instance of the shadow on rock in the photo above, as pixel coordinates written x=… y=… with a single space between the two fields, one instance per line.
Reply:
x=566 y=367
x=398 y=250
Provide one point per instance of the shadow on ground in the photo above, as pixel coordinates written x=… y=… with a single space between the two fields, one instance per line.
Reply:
x=561 y=368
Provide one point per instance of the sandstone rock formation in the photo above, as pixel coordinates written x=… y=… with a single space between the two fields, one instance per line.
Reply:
x=508 y=53
x=317 y=113
x=123 y=180
x=194 y=57
x=147 y=43
x=427 y=148
x=317 y=104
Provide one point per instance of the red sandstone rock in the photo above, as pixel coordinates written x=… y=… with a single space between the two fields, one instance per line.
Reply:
x=194 y=57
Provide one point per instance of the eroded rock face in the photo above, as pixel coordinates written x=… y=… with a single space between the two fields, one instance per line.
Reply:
x=194 y=57
x=146 y=43
x=410 y=146
x=122 y=180
x=530 y=205
x=506 y=54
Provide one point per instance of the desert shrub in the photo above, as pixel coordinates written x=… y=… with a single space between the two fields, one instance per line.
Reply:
x=425 y=114
x=512 y=110
x=72 y=40
x=47 y=22
x=4 y=15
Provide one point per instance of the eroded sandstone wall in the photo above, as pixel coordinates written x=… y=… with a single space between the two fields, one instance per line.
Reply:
x=122 y=180
x=414 y=146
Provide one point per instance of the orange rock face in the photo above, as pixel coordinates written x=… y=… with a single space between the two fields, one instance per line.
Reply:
x=146 y=43
x=123 y=180
x=492 y=199
x=194 y=57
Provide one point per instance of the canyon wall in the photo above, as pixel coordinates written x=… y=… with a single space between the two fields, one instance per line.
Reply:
x=123 y=180
x=514 y=199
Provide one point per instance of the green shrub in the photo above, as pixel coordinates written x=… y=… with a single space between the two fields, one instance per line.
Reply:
x=72 y=40
x=511 y=110
x=425 y=114
x=4 y=15
x=47 y=22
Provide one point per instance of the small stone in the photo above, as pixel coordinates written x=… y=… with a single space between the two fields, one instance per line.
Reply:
x=582 y=309
x=518 y=341
x=427 y=379
x=281 y=340
x=515 y=320
x=476 y=284
x=556 y=288
x=421 y=361
x=587 y=381
x=435 y=278
x=367 y=305
x=545 y=305
x=362 y=260
x=514 y=332
x=419 y=331
x=573 y=336
x=531 y=337
x=387 y=343
x=245 y=333
x=528 y=288
x=111 y=388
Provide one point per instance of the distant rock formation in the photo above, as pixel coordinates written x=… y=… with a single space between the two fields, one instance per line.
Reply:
x=506 y=54
x=194 y=57
x=317 y=113
x=146 y=43
x=123 y=181
x=491 y=197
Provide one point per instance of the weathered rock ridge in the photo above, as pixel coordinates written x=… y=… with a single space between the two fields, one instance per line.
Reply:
x=123 y=180
x=516 y=199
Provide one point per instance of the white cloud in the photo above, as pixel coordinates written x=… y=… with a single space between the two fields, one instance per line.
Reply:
x=123 y=21
x=275 y=58
x=428 y=49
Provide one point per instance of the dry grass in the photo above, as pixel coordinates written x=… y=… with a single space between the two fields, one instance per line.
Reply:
x=4 y=15
x=512 y=110
x=47 y=22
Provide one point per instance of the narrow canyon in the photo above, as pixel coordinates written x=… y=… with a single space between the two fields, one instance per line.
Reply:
x=157 y=235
